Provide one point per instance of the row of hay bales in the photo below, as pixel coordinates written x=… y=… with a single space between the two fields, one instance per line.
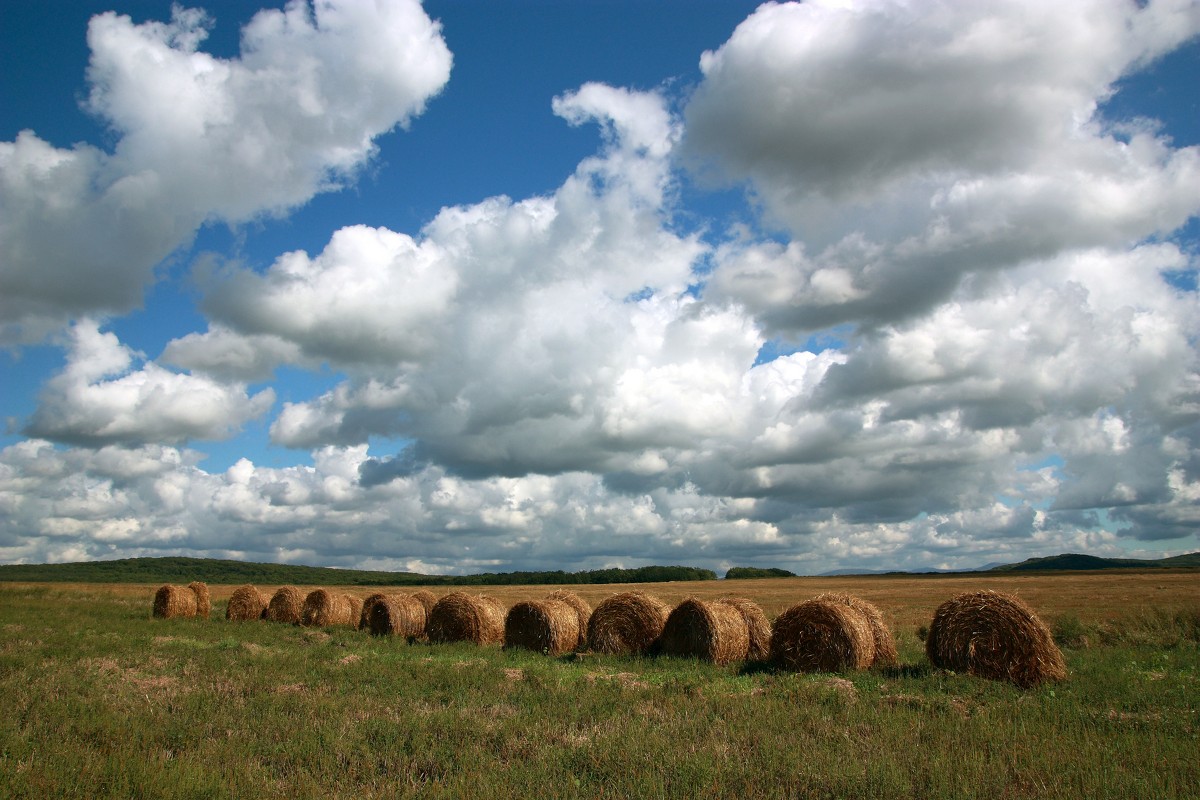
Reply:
x=989 y=634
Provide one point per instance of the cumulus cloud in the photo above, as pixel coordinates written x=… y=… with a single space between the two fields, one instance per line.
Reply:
x=99 y=398
x=903 y=162
x=201 y=138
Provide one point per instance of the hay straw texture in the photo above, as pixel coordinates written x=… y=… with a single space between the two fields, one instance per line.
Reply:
x=710 y=631
x=758 y=628
x=397 y=615
x=246 y=603
x=994 y=635
x=544 y=626
x=323 y=608
x=286 y=605
x=425 y=598
x=182 y=601
x=627 y=623
x=461 y=617
x=364 y=618
x=885 y=645
x=822 y=636
x=583 y=612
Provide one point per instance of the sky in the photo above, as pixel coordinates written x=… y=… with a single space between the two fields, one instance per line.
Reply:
x=493 y=286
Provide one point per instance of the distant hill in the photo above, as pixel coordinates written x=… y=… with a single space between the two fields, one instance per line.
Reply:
x=1079 y=561
x=179 y=569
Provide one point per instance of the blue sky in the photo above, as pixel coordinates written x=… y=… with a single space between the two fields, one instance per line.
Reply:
x=477 y=286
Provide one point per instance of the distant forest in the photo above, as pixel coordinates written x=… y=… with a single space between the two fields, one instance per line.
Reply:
x=209 y=570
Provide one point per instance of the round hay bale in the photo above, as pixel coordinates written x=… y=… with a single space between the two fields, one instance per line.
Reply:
x=627 y=623
x=544 y=626
x=364 y=617
x=757 y=627
x=174 y=601
x=397 y=615
x=323 y=608
x=286 y=605
x=203 y=601
x=885 y=645
x=461 y=617
x=822 y=636
x=710 y=631
x=583 y=611
x=425 y=598
x=994 y=635
x=246 y=603
x=356 y=609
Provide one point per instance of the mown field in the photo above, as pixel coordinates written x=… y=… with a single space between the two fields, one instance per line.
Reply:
x=99 y=700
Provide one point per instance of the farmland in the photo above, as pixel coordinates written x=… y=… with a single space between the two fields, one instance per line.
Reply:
x=100 y=700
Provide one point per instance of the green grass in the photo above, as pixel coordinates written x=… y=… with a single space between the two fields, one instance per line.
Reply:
x=98 y=700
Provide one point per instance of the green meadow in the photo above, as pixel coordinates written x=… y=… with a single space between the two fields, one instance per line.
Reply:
x=99 y=700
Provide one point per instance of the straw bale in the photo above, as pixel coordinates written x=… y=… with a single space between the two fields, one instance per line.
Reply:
x=174 y=601
x=822 y=636
x=583 y=612
x=286 y=605
x=246 y=603
x=461 y=617
x=397 y=615
x=710 y=631
x=627 y=623
x=544 y=626
x=203 y=601
x=885 y=645
x=994 y=635
x=364 y=617
x=323 y=608
x=425 y=598
x=757 y=627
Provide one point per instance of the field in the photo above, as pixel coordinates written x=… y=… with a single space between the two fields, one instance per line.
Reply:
x=99 y=700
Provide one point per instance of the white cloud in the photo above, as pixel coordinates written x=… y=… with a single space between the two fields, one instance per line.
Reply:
x=201 y=138
x=904 y=162
x=100 y=398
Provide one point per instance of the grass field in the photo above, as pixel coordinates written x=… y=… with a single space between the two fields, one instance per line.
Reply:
x=99 y=700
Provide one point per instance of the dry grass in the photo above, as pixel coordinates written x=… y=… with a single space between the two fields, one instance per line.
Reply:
x=994 y=635
x=758 y=628
x=627 y=623
x=545 y=626
x=822 y=636
x=461 y=617
x=711 y=631
x=885 y=645
x=246 y=603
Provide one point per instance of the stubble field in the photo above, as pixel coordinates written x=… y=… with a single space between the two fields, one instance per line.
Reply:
x=97 y=699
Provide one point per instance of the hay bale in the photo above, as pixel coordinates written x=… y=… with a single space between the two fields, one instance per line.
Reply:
x=356 y=609
x=822 y=636
x=996 y=636
x=171 y=602
x=397 y=615
x=544 y=626
x=203 y=601
x=710 y=631
x=757 y=627
x=425 y=598
x=286 y=605
x=364 y=617
x=583 y=612
x=246 y=603
x=323 y=608
x=627 y=623
x=885 y=645
x=461 y=617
